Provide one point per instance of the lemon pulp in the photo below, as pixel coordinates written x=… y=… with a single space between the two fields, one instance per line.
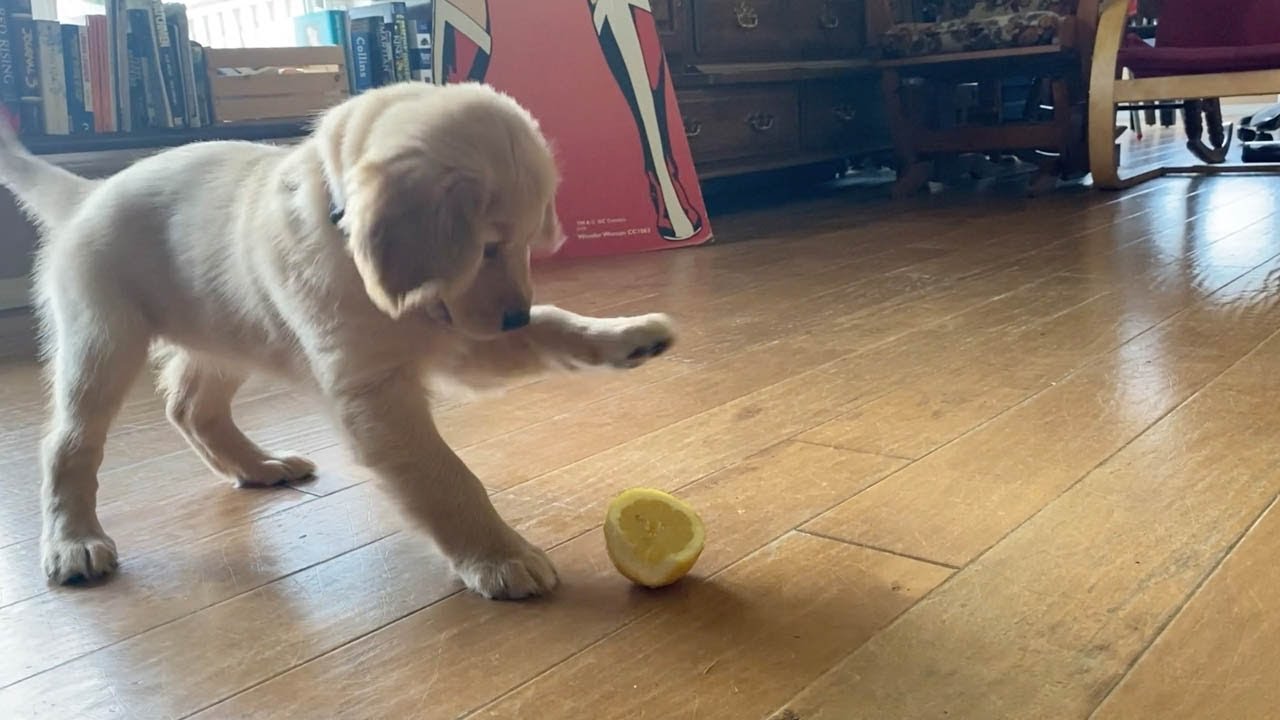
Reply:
x=653 y=538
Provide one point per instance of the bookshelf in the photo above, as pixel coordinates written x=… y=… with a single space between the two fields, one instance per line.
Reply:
x=157 y=139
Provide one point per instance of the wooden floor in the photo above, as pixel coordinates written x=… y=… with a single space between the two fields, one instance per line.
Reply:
x=971 y=456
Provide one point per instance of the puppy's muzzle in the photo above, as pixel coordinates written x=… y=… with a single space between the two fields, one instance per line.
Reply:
x=515 y=319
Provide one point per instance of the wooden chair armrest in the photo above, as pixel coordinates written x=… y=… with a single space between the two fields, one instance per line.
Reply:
x=1108 y=38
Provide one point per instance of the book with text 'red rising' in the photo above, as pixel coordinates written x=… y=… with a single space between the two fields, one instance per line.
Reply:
x=26 y=52
x=8 y=66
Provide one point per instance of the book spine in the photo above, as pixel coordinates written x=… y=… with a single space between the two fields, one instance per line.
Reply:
x=400 y=41
x=26 y=57
x=167 y=61
x=179 y=91
x=386 y=55
x=365 y=45
x=53 y=82
x=121 y=67
x=141 y=91
x=8 y=64
x=103 y=77
x=79 y=115
x=342 y=30
x=182 y=46
x=420 y=53
x=89 y=51
x=86 y=76
x=204 y=93
x=142 y=26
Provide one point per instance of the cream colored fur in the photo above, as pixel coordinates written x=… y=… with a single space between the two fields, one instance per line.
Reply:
x=220 y=260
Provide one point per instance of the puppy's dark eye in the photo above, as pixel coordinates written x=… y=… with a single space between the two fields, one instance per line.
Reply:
x=491 y=251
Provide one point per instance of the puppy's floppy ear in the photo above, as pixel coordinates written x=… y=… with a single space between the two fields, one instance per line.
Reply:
x=551 y=234
x=411 y=230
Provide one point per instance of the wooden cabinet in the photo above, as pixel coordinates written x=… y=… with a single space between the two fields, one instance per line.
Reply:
x=841 y=115
x=772 y=83
x=739 y=30
x=742 y=121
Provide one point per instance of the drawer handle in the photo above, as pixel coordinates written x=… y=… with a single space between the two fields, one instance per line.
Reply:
x=761 y=122
x=746 y=16
x=829 y=20
x=692 y=128
x=844 y=113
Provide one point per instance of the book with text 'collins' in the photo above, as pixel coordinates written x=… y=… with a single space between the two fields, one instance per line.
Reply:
x=395 y=21
x=366 y=53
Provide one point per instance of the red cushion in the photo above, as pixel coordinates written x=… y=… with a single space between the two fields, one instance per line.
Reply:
x=1147 y=61
x=1217 y=23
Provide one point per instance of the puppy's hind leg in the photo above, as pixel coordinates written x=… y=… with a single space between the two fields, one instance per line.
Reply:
x=95 y=357
x=198 y=392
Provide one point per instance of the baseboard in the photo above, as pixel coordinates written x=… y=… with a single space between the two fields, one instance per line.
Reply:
x=15 y=293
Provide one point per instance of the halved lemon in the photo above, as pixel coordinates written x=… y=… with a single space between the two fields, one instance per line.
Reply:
x=653 y=538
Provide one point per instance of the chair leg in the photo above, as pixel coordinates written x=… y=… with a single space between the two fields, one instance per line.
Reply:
x=1073 y=158
x=913 y=172
x=1101 y=133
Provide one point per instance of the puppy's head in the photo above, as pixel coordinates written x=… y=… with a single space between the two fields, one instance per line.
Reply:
x=448 y=191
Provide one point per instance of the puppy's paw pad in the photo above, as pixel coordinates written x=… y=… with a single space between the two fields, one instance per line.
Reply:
x=526 y=573
x=635 y=340
x=78 y=558
x=275 y=470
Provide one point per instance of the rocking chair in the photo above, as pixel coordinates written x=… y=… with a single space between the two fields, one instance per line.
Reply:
x=1201 y=54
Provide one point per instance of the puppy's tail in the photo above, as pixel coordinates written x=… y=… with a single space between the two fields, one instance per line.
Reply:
x=46 y=192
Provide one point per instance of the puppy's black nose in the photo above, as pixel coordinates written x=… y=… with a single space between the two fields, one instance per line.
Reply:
x=515 y=319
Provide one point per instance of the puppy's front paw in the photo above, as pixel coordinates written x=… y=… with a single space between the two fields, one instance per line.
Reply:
x=274 y=470
x=524 y=571
x=67 y=557
x=629 y=342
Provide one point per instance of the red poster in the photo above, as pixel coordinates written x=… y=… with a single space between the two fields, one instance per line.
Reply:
x=592 y=72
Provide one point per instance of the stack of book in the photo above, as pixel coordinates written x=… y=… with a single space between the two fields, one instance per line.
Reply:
x=384 y=43
x=134 y=68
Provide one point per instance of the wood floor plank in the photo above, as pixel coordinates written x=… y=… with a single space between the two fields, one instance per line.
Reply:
x=738 y=645
x=1051 y=617
x=964 y=497
x=744 y=508
x=1219 y=657
x=160 y=587
x=915 y=420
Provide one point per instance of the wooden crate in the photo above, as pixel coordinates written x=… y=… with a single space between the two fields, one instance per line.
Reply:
x=275 y=83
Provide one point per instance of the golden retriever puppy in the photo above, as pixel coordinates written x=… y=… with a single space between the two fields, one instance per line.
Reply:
x=388 y=249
